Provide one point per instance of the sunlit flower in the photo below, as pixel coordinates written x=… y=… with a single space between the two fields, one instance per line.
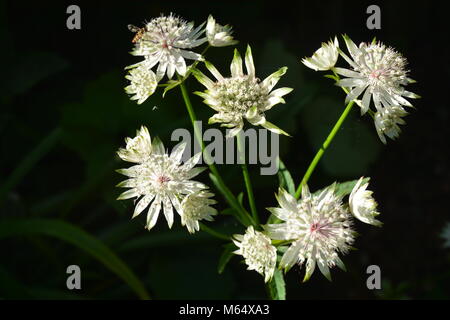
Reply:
x=167 y=40
x=319 y=227
x=387 y=121
x=139 y=148
x=195 y=207
x=377 y=71
x=325 y=57
x=241 y=96
x=143 y=83
x=258 y=252
x=362 y=205
x=161 y=181
x=218 y=35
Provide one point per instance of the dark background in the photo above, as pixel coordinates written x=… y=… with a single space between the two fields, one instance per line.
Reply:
x=64 y=113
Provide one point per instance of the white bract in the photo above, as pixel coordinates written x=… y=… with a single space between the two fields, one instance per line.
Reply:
x=159 y=180
x=362 y=205
x=143 y=83
x=138 y=149
x=319 y=227
x=218 y=35
x=377 y=71
x=258 y=252
x=166 y=41
x=325 y=57
x=195 y=207
x=387 y=121
x=241 y=96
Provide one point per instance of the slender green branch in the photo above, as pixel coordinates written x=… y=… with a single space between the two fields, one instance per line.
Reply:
x=321 y=151
x=248 y=183
x=213 y=232
x=244 y=217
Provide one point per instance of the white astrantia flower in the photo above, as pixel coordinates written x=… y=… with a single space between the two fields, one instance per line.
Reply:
x=161 y=181
x=319 y=227
x=378 y=72
x=241 y=96
x=258 y=252
x=218 y=35
x=362 y=205
x=166 y=41
x=387 y=121
x=195 y=207
x=143 y=83
x=325 y=57
x=138 y=149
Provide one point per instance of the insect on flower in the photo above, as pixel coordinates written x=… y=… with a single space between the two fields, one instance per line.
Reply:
x=139 y=32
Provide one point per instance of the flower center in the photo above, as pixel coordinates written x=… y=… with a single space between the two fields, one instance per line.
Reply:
x=238 y=94
x=319 y=228
x=163 y=180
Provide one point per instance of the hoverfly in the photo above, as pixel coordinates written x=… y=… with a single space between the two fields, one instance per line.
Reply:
x=139 y=32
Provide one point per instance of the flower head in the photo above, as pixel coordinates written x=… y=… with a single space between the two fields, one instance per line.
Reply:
x=362 y=205
x=377 y=71
x=319 y=227
x=143 y=83
x=258 y=252
x=387 y=121
x=195 y=207
x=241 y=96
x=139 y=148
x=161 y=181
x=217 y=35
x=166 y=41
x=325 y=57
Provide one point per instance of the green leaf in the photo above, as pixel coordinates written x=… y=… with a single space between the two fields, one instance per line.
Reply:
x=285 y=178
x=345 y=188
x=277 y=286
x=226 y=256
x=77 y=237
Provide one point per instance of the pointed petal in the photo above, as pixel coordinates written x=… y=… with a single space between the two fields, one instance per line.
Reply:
x=236 y=65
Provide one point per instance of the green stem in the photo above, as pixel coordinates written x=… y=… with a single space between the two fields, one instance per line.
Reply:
x=213 y=232
x=243 y=215
x=325 y=145
x=248 y=183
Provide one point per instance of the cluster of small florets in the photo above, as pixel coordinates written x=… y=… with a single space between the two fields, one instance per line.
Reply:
x=377 y=73
x=161 y=181
x=258 y=252
x=382 y=65
x=240 y=93
x=168 y=25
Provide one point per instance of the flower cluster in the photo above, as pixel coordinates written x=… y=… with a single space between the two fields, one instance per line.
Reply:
x=160 y=181
x=241 y=96
x=319 y=227
x=166 y=42
x=258 y=252
x=311 y=230
x=377 y=73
